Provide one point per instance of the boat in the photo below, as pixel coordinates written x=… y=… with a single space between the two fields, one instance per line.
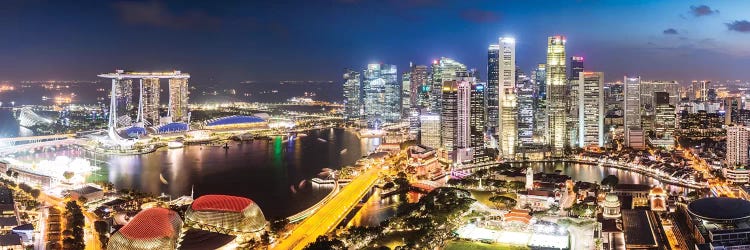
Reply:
x=175 y=144
x=161 y=178
x=322 y=140
x=301 y=134
x=343 y=151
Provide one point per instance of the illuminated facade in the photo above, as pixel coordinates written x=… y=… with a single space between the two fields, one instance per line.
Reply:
x=477 y=121
x=526 y=117
x=507 y=128
x=539 y=76
x=406 y=94
x=737 y=145
x=429 y=132
x=226 y=214
x=153 y=228
x=631 y=106
x=382 y=94
x=443 y=70
x=352 y=95
x=556 y=95
x=455 y=112
x=124 y=97
x=150 y=95
x=493 y=83
x=666 y=118
x=178 y=99
x=590 y=109
x=149 y=89
x=575 y=67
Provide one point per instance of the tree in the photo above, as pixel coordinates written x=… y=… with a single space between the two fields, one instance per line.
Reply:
x=35 y=193
x=503 y=200
x=68 y=175
x=278 y=225
x=610 y=181
x=323 y=243
x=9 y=172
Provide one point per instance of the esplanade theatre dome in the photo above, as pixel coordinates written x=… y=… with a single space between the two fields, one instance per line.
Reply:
x=226 y=214
x=153 y=228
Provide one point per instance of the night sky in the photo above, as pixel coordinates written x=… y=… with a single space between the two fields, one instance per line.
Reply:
x=224 y=42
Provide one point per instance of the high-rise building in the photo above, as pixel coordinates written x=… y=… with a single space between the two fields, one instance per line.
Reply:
x=382 y=94
x=732 y=107
x=454 y=115
x=576 y=67
x=150 y=90
x=406 y=94
x=352 y=96
x=124 y=97
x=493 y=84
x=418 y=79
x=631 y=106
x=665 y=121
x=539 y=75
x=737 y=145
x=507 y=132
x=477 y=121
x=557 y=98
x=590 y=109
x=429 y=132
x=443 y=70
x=526 y=100
x=178 y=99
x=648 y=88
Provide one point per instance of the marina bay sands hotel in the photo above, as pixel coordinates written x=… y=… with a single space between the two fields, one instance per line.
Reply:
x=121 y=101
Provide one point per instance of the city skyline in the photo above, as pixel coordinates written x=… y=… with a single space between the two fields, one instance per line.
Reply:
x=235 y=42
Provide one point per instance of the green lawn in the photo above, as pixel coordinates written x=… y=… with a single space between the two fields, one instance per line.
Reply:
x=470 y=245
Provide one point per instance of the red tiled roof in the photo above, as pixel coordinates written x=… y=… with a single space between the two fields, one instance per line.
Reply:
x=224 y=203
x=151 y=223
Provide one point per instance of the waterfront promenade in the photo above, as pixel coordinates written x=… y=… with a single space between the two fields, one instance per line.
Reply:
x=329 y=215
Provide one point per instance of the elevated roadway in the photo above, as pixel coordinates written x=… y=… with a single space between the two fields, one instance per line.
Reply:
x=330 y=214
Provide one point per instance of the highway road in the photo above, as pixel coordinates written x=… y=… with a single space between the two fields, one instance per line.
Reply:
x=330 y=214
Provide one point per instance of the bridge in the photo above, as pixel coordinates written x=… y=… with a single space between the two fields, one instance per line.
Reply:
x=325 y=219
x=311 y=210
x=34 y=141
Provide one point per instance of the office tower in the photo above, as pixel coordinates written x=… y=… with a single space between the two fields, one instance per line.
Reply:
x=352 y=96
x=443 y=70
x=576 y=67
x=493 y=84
x=539 y=75
x=590 y=109
x=665 y=121
x=178 y=99
x=526 y=117
x=418 y=79
x=648 y=88
x=150 y=90
x=556 y=95
x=699 y=90
x=507 y=132
x=477 y=121
x=406 y=94
x=454 y=115
x=382 y=95
x=632 y=106
x=124 y=97
x=737 y=145
x=429 y=132
x=732 y=106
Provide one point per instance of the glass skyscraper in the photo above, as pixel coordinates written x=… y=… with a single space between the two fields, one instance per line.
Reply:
x=493 y=82
x=590 y=109
x=382 y=94
x=352 y=95
x=556 y=95
x=508 y=110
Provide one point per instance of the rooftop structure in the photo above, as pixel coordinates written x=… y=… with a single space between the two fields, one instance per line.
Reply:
x=226 y=214
x=153 y=228
x=720 y=209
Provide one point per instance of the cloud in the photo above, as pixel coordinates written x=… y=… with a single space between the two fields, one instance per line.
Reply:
x=479 y=16
x=702 y=10
x=670 y=31
x=157 y=14
x=739 y=26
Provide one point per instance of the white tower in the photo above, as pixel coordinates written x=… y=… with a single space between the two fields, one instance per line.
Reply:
x=529 y=178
